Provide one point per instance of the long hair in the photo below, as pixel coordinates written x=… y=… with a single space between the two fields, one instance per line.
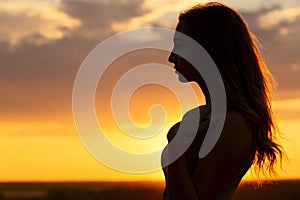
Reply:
x=248 y=83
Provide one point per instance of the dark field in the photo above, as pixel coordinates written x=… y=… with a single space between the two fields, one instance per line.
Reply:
x=285 y=190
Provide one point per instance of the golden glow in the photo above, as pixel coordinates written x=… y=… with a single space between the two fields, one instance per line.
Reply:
x=55 y=158
x=48 y=151
x=28 y=129
x=287 y=109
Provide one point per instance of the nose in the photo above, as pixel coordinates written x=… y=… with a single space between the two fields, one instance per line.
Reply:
x=172 y=58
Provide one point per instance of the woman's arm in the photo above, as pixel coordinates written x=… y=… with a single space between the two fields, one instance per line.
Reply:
x=179 y=179
x=180 y=184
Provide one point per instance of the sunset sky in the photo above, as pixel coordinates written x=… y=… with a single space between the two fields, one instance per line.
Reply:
x=44 y=42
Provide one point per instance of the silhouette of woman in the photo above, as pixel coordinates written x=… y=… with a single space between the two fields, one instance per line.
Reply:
x=248 y=135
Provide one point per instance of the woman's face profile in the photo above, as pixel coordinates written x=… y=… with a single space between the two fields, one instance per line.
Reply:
x=185 y=71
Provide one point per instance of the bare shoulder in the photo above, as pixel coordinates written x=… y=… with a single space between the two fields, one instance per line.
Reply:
x=236 y=125
x=237 y=134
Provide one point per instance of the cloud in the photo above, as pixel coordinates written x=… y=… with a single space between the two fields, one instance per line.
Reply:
x=16 y=6
x=40 y=22
x=154 y=16
x=280 y=45
x=37 y=24
x=277 y=17
x=97 y=16
x=164 y=15
x=36 y=80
